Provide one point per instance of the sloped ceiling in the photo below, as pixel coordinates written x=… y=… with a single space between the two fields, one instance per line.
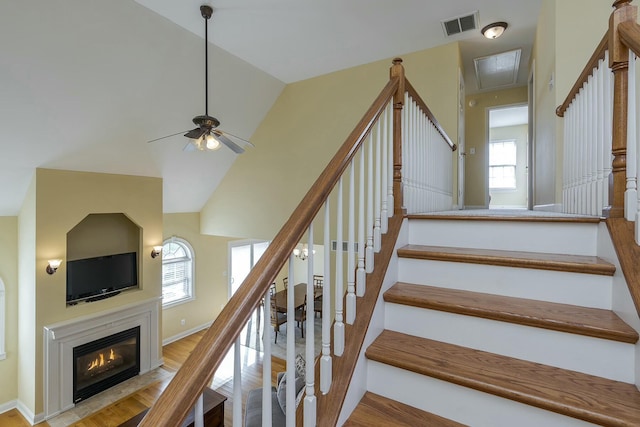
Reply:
x=84 y=84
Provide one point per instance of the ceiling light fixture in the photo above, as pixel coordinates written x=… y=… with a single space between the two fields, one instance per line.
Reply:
x=495 y=30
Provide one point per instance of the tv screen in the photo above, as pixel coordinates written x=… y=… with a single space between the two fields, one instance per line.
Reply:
x=101 y=276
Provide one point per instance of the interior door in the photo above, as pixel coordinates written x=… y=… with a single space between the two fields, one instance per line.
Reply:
x=461 y=142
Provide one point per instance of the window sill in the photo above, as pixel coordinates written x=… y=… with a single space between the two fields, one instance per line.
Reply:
x=177 y=302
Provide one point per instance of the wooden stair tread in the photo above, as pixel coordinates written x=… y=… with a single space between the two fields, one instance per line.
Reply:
x=535 y=260
x=592 y=322
x=378 y=411
x=587 y=397
x=510 y=218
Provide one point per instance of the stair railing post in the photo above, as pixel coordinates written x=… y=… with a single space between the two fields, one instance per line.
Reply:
x=619 y=63
x=397 y=70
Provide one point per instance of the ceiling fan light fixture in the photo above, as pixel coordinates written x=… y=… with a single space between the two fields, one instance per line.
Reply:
x=494 y=30
x=211 y=142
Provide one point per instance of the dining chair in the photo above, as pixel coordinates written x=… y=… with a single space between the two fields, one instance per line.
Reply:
x=277 y=318
x=285 y=280
x=318 y=281
x=301 y=316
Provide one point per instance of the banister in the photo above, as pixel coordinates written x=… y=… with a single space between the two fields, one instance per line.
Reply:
x=427 y=112
x=630 y=35
x=173 y=405
x=597 y=55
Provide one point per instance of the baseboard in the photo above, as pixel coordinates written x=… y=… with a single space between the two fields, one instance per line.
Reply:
x=552 y=207
x=32 y=418
x=7 y=406
x=185 y=333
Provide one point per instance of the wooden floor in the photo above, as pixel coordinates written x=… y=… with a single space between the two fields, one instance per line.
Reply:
x=174 y=355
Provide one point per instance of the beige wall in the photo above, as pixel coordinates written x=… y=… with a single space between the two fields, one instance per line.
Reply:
x=63 y=199
x=211 y=284
x=27 y=332
x=9 y=276
x=302 y=132
x=476 y=133
x=516 y=198
x=564 y=42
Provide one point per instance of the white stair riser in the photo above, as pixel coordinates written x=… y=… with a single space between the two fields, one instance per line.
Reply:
x=559 y=238
x=594 y=356
x=589 y=290
x=458 y=403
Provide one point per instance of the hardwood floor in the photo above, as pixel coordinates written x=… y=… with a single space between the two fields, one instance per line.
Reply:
x=174 y=355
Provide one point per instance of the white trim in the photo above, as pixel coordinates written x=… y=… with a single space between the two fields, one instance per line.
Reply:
x=3 y=313
x=7 y=406
x=28 y=415
x=60 y=338
x=192 y=294
x=551 y=207
x=186 y=333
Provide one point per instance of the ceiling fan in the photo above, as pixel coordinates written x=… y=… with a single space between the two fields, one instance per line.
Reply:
x=207 y=136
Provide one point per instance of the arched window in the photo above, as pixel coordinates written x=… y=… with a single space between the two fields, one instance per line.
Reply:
x=3 y=355
x=177 y=271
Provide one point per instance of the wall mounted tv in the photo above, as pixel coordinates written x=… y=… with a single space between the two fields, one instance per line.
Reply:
x=91 y=279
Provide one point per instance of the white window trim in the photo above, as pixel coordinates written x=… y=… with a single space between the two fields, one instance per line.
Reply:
x=3 y=313
x=193 y=273
x=514 y=165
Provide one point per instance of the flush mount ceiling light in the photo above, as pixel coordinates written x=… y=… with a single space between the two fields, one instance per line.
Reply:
x=495 y=30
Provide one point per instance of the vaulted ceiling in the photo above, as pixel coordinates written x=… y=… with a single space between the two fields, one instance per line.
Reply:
x=84 y=84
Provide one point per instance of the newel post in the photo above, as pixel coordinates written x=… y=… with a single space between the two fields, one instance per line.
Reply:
x=619 y=63
x=397 y=70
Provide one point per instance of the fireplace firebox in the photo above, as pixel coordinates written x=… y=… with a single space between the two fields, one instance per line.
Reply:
x=105 y=362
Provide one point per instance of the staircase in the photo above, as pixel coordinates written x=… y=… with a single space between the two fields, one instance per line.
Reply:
x=501 y=321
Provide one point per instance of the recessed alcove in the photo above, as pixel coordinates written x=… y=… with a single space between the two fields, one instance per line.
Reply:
x=104 y=235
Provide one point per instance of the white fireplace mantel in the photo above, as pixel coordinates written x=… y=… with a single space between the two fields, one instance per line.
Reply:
x=61 y=338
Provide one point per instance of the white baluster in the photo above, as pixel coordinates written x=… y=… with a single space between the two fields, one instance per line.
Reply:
x=310 y=398
x=600 y=141
x=608 y=123
x=377 y=173
x=338 y=328
x=361 y=279
x=384 y=213
x=369 y=247
x=198 y=412
x=325 y=360
x=237 y=381
x=390 y=200
x=266 y=362
x=351 y=268
x=631 y=193
x=291 y=348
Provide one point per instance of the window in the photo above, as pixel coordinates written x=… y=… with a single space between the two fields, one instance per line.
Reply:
x=177 y=271
x=502 y=164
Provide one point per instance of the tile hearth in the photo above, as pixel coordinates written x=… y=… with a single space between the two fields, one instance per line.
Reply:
x=107 y=397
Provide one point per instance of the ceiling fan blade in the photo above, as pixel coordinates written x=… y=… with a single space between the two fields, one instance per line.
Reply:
x=167 y=136
x=221 y=132
x=232 y=145
x=195 y=133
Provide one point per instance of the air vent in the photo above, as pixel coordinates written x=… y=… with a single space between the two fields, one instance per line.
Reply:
x=460 y=24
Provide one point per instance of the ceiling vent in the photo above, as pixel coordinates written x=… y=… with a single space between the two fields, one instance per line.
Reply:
x=498 y=70
x=460 y=24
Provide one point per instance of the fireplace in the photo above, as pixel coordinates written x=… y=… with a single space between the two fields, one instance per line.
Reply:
x=105 y=362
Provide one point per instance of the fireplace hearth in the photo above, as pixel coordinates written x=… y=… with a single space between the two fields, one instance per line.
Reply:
x=105 y=362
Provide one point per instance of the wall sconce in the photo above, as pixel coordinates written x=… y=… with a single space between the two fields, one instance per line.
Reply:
x=495 y=30
x=157 y=250
x=303 y=252
x=53 y=265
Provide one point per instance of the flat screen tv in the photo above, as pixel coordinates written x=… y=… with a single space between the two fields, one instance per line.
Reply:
x=100 y=277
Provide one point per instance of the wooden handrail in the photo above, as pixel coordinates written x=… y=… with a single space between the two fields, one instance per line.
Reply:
x=182 y=392
x=427 y=112
x=630 y=35
x=597 y=55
